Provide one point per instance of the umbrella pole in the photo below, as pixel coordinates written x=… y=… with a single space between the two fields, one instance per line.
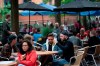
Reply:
x=79 y=18
x=42 y=19
x=89 y=19
x=29 y=21
x=64 y=17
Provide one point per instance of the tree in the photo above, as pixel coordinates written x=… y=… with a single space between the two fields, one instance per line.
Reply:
x=46 y=1
x=58 y=16
x=14 y=16
x=4 y=11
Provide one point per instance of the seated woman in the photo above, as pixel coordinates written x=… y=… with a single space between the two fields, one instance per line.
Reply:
x=27 y=56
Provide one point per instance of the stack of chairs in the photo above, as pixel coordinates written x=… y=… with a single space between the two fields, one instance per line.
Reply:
x=81 y=55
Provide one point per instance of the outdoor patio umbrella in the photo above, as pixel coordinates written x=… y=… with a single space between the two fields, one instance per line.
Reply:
x=84 y=13
x=78 y=6
x=26 y=13
x=31 y=7
x=51 y=7
x=97 y=13
x=91 y=12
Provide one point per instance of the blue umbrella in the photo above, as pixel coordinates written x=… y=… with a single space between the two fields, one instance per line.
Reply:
x=85 y=13
x=26 y=13
x=97 y=13
x=31 y=7
x=51 y=7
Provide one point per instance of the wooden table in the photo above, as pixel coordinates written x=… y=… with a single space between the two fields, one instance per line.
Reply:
x=44 y=55
x=41 y=53
x=8 y=63
x=46 y=52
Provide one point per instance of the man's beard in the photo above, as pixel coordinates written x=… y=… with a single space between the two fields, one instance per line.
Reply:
x=50 y=42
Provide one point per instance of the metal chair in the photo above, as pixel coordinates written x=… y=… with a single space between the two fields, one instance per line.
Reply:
x=96 y=53
x=38 y=63
x=78 y=59
x=85 y=49
x=97 y=50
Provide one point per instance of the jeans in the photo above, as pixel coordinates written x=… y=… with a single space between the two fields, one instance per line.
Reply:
x=59 y=62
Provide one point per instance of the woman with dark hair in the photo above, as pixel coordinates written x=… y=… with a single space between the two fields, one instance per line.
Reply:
x=27 y=56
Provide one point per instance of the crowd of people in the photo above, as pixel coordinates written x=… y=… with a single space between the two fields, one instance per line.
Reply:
x=52 y=37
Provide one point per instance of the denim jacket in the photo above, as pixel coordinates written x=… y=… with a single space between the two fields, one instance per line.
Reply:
x=54 y=48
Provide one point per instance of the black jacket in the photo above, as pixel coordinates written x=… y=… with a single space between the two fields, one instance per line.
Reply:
x=68 y=49
x=91 y=42
x=5 y=29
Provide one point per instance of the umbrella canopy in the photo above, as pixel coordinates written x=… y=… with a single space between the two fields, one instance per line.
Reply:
x=78 y=6
x=46 y=12
x=26 y=13
x=85 y=13
x=97 y=13
x=51 y=7
x=97 y=4
x=32 y=6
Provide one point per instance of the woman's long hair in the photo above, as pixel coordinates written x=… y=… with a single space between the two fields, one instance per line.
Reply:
x=29 y=45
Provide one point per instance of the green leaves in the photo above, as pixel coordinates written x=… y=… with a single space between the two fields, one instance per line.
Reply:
x=5 y=10
x=45 y=1
x=66 y=1
x=98 y=0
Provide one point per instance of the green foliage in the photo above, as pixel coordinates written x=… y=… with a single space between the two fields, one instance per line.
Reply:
x=45 y=1
x=46 y=30
x=66 y=1
x=63 y=1
x=4 y=11
x=98 y=0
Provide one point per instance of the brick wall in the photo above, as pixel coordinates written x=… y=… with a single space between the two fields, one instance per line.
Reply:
x=1 y=3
